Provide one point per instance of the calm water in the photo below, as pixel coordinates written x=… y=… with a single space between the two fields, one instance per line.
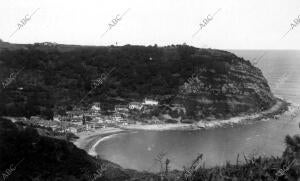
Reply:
x=137 y=150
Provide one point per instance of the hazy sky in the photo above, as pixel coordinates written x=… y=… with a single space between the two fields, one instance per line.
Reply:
x=239 y=24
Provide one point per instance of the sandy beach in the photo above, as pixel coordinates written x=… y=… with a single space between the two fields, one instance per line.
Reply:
x=88 y=139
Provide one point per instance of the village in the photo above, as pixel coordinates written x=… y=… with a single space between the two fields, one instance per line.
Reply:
x=79 y=120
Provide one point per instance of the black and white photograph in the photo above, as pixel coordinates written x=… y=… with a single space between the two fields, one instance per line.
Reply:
x=150 y=90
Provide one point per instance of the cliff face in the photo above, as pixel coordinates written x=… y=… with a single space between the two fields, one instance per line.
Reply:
x=228 y=89
x=188 y=82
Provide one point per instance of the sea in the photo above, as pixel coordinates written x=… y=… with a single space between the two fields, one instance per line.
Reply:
x=140 y=150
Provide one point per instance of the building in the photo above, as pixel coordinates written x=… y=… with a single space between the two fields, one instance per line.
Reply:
x=65 y=118
x=109 y=121
x=96 y=107
x=76 y=118
x=90 y=126
x=150 y=102
x=35 y=119
x=135 y=105
x=117 y=118
x=147 y=109
x=124 y=124
x=72 y=129
x=56 y=118
x=121 y=108
x=98 y=120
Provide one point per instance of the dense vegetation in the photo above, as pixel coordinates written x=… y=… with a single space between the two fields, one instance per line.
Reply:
x=42 y=158
x=54 y=79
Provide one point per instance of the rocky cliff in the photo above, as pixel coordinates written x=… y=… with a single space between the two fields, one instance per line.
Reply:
x=225 y=88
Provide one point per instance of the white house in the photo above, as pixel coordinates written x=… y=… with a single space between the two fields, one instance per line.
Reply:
x=119 y=108
x=76 y=118
x=150 y=102
x=109 y=121
x=96 y=107
x=90 y=126
x=135 y=105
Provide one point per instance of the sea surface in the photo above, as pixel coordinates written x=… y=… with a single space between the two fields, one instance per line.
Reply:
x=138 y=150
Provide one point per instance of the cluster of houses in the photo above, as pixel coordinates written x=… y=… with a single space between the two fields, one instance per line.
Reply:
x=78 y=120
x=140 y=106
x=57 y=126
x=92 y=119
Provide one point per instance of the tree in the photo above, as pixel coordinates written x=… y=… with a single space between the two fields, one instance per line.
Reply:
x=159 y=158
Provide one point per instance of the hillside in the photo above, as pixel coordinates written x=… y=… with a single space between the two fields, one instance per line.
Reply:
x=45 y=158
x=188 y=82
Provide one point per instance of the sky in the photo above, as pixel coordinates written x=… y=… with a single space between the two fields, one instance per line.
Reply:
x=220 y=24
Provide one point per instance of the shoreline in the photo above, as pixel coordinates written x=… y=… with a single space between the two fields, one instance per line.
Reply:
x=277 y=109
x=88 y=141
x=92 y=149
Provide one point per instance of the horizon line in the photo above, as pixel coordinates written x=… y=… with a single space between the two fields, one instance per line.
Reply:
x=206 y=47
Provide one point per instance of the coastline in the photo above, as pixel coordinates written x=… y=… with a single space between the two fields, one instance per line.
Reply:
x=88 y=141
x=277 y=109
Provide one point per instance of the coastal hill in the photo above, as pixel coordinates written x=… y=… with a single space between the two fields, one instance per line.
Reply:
x=189 y=83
